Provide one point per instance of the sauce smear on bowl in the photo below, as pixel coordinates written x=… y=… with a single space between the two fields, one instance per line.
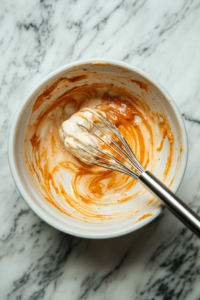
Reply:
x=91 y=190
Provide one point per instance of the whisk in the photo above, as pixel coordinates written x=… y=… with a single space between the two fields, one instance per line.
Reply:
x=147 y=179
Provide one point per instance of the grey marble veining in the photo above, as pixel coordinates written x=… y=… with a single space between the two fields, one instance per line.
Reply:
x=160 y=261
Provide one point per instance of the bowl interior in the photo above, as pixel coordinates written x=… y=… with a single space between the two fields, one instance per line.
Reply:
x=157 y=99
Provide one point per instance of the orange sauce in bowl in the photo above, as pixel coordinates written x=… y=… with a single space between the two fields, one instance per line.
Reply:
x=90 y=189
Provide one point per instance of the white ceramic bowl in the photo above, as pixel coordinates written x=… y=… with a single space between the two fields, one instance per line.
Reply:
x=23 y=181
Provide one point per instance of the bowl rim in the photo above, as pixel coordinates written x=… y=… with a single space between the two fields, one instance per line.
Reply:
x=13 y=167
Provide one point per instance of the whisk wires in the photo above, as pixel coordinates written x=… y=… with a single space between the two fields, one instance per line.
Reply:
x=110 y=161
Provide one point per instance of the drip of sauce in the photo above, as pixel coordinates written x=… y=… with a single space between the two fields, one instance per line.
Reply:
x=145 y=216
x=50 y=165
x=99 y=63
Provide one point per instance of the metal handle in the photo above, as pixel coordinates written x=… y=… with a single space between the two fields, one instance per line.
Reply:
x=173 y=203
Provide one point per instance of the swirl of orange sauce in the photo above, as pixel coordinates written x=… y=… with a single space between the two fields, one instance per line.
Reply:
x=80 y=190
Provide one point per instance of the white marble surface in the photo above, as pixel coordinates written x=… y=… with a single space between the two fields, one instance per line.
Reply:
x=160 y=261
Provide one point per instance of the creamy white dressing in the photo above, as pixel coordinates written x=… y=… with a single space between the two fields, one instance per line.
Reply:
x=75 y=137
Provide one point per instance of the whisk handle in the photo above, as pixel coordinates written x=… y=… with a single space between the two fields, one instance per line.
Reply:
x=173 y=203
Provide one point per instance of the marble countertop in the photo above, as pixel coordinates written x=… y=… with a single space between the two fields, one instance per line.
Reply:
x=160 y=261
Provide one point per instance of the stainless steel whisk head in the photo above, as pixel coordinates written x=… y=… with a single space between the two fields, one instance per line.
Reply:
x=147 y=179
x=110 y=162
